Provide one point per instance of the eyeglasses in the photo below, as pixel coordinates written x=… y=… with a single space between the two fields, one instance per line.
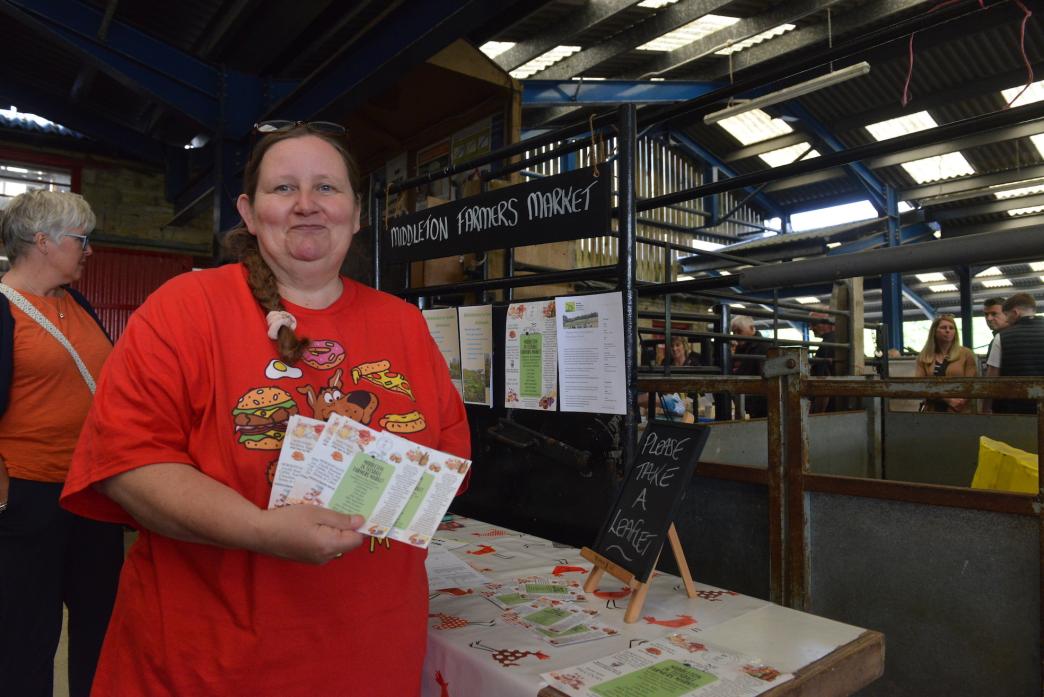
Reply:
x=322 y=127
x=84 y=239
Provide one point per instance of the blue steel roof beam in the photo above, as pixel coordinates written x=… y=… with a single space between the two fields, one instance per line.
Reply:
x=63 y=111
x=134 y=59
x=697 y=150
x=918 y=232
x=922 y=304
x=411 y=33
x=860 y=172
x=545 y=93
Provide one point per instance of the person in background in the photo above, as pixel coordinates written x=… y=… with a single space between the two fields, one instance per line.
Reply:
x=822 y=325
x=680 y=354
x=48 y=557
x=743 y=326
x=993 y=311
x=1017 y=349
x=944 y=356
x=221 y=595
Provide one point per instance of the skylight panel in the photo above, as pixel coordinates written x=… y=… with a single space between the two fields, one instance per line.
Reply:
x=543 y=61
x=997 y=283
x=756 y=39
x=1038 y=143
x=1034 y=93
x=754 y=126
x=832 y=215
x=495 y=48
x=656 y=4
x=938 y=167
x=1037 y=266
x=904 y=125
x=807 y=300
x=992 y=271
x=943 y=288
x=784 y=156
x=1023 y=191
x=1028 y=210
x=693 y=31
x=930 y=277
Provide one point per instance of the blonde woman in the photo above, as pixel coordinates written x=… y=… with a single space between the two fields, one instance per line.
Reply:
x=943 y=356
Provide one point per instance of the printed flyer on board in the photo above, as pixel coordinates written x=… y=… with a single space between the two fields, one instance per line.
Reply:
x=442 y=324
x=476 y=353
x=676 y=666
x=531 y=356
x=591 y=353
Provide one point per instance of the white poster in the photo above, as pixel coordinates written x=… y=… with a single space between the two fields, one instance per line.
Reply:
x=591 y=353
x=531 y=356
x=444 y=329
x=476 y=353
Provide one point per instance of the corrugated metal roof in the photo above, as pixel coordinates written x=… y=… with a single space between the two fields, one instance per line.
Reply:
x=25 y=123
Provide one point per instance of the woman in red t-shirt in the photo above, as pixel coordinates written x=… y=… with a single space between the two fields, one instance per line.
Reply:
x=221 y=595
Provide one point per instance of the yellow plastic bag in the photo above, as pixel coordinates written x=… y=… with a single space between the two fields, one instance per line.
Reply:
x=1004 y=467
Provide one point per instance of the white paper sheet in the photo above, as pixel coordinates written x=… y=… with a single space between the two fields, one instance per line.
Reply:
x=591 y=353
x=476 y=353
x=442 y=324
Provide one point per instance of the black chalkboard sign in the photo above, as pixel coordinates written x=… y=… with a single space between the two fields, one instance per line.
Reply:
x=637 y=524
x=566 y=206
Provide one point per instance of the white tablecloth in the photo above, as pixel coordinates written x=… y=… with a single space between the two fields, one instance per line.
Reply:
x=471 y=653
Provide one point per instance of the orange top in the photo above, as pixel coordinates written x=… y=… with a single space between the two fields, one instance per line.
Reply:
x=49 y=398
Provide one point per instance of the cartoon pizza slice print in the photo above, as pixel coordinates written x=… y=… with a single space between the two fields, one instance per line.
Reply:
x=380 y=373
x=261 y=416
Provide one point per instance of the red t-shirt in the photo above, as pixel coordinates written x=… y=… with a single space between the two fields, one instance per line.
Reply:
x=193 y=619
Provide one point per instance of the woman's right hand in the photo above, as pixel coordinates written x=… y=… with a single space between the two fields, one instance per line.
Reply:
x=307 y=534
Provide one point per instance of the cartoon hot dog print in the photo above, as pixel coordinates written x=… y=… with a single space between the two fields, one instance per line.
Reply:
x=410 y=422
x=379 y=373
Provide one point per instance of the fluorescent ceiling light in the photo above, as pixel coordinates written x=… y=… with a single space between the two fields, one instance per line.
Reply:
x=656 y=4
x=806 y=300
x=932 y=277
x=754 y=126
x=1037 y=265
x=1028 y=210
x=784 y=156
x=997 y=283
x=992 y=271
x=693 y=31
x=943 y=288
x=739 y=305
x=938 y=167
x=543 y=61
x=756 y=39
x=495 y=48
x=832 y=245
x=791 y=92
x=1035 y=93
x=585 y=78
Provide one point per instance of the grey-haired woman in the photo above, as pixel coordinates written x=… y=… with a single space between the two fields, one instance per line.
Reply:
x=51 y=348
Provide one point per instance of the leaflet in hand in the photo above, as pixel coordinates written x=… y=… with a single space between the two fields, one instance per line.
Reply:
x=302 y=433
x=402 y=489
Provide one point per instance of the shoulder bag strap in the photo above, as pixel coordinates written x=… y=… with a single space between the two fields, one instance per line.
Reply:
x=28 y=308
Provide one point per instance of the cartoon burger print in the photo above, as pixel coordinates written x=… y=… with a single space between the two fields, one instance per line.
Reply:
x=261 y=417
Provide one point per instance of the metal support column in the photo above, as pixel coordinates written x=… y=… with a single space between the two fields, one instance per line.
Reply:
x=376 y=228
x=627 y=236
x=892 y=283
x=965 y=284
x=723 y=400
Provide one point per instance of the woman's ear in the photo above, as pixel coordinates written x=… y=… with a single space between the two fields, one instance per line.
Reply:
x=246 y=212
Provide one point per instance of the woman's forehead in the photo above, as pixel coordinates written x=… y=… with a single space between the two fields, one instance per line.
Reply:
x=306 y=154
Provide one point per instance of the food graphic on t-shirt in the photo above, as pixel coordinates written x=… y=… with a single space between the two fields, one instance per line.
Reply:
x=260 y=417
x=379 y=373
x=276 y=369
x=323 y=354
x=410 y=422
x=357 y=405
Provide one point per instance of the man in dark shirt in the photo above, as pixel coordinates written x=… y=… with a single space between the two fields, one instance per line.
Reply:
x=822 y=325
x=1018 y=349
x=743 y=326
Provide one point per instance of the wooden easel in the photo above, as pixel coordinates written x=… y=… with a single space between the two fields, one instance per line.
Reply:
x=640 y=589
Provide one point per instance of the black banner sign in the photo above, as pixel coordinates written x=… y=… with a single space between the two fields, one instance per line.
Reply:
x=566 y=206
x=637 y=525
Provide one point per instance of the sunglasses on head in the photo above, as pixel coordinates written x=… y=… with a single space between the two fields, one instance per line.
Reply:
x=321 y=127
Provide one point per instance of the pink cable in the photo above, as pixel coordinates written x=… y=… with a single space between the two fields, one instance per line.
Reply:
x=909 y=72
x=1026 y=14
